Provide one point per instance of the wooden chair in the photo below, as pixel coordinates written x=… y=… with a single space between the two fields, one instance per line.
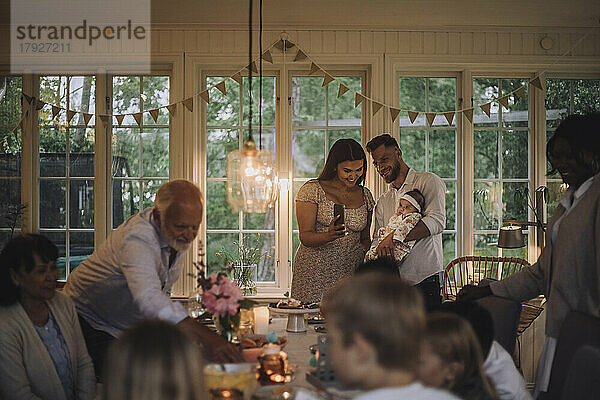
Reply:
x=472 y=269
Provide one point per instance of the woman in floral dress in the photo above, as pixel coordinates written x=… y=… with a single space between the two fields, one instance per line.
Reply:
x=329 y=252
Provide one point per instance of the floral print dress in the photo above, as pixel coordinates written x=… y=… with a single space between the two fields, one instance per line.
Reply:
x=316 y=269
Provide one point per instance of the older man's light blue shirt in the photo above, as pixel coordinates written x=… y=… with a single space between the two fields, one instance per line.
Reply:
x=127 y=278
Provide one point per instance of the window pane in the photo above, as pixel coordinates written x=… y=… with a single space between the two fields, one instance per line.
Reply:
x=442 y=153
x=337 y=134
x=126 y=146
x=442 y=95
x=341 y=110
x=60 y=240
x=81 y=207
x=520 y=252
x=515 y=208
x=219 y=142
x=265 y=221
x=264 y=246
x=219 y=214
x=81 y=245
x=485 y=160
x=223 y=109
x=515 y=158
x=10 y=201
x=485 y=207
x=412 y=144
x=450 y=205
x=268 y=101
x=155 y=94
x=149 y=189
x=126 y=199
x=413 y=93
x=486 y=245
x=308 y=152
x=126 y=95
x=81 y=152
x=155 y=153
x=517 y=115
x=52 y=152
x=449 y=247
x=308 y=101
x=10 y=105
x=215 y=242
x=52 y=203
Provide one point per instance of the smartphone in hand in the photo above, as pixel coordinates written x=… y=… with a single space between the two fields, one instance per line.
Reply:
x=338 y=209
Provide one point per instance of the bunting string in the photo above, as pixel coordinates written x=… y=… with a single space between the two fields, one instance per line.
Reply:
x=301 y=55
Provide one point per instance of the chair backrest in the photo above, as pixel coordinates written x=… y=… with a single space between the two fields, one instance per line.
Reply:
x=472 y=269
x=578 y=330
x=582 y=380
x=505 y=315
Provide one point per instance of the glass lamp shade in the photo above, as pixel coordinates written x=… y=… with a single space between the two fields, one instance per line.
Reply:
x=252 y=184
x=511 y=237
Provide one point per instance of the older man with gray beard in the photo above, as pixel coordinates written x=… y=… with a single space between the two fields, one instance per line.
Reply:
x=129 y=277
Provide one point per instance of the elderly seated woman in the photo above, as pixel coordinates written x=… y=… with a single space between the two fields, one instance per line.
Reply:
x=43 y=352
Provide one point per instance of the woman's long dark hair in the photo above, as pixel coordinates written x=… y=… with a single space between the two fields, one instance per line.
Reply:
x=581 y=132
x=18 y=253
x=343 y=150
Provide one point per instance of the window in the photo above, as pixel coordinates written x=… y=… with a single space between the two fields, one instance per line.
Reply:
x=565 y=97
x=432 y=148
x=10 y=156
x=226 y=130
x=66 y=168
x=140 y=153
x=501 y=163
x=319 y=118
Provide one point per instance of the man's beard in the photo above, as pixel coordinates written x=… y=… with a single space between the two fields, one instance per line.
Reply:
x=393 y=173
x=178 y=245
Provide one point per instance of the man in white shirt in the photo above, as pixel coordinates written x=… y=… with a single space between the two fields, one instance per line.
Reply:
x=129 y=277
x=423 y=265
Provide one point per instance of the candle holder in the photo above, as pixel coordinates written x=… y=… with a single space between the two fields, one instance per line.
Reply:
x=226 y=394
x=272 y=369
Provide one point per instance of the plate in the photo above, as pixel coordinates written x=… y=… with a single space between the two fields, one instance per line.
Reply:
x=294 y=310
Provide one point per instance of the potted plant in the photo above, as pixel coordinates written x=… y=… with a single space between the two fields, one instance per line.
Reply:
x=242 y=264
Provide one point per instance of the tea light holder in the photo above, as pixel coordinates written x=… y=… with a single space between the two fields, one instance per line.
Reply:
x=272 y=369
x=226 y=394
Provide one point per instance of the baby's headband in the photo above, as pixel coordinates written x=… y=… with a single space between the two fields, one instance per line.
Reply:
x=411 y=200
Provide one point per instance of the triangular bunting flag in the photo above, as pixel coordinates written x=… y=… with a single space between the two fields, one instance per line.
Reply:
x=300 y=56
x=28 y=98
x=172 y=108
x=55 y=111
x=237 y=77
x=120 y=118
x=327 y=80
x=313 y=68
x=504 y=101
x=70 y=115
x=154 y=114
x=104 y=119
x=343 y=89
x=267 y=56
x=86 y=118
x=486 y=108
x=283 y=44
x=253 y=67
x=469 y=114
x=521 y=92
x=394 y=113
x=358 y=99
x=138 y=118
x=537 y=82
x=40 y=104
x=376 y=107
x=412 y=115
x=221 y=87
x=430 y=117
x=205 y=96
x=449 y=116
x=189 y=103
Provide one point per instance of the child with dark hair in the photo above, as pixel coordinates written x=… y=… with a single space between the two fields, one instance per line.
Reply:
x=383 y=265
x=408 y=213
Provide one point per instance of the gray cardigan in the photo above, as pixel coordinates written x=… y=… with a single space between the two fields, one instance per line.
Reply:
x=26 y=369
x=568 y=273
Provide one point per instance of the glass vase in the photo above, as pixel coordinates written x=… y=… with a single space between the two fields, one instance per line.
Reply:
x=228 y=326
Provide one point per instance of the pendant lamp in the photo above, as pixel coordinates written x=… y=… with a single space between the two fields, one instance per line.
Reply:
x=252 y=184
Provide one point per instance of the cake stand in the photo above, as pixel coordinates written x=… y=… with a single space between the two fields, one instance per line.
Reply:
x=295 y=321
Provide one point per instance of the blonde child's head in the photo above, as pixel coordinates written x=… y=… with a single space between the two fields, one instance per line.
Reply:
x=411 y=202
x=374 y=319
x=451 y=357
x=153 y=360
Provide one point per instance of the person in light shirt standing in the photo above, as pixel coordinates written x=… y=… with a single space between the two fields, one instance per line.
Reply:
x=129 y=277
x=424 y=263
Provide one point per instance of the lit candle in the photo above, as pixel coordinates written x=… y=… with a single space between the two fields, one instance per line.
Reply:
x=261 y=320
x=226 y=394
